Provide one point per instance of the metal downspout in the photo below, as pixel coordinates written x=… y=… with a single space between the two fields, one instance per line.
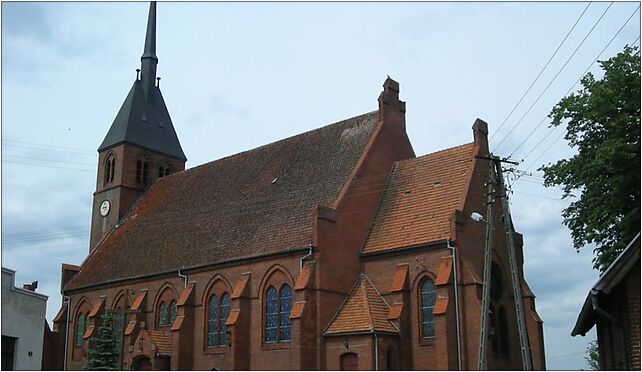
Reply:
x=184 y=276
x=376 y=347
x=304 y=257
x=68 y=299
x=456 y=285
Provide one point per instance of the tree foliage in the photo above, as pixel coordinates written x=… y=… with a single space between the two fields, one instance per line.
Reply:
x=592 y=356
x=102 y=356
x=603 y=124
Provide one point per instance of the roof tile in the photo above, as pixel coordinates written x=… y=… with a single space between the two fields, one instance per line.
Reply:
x=364 y=310
x=443 y=271
x=420 y=196
x=240 y=286
x=304 y=276
x=182 y=299
x=139 y=301
x=395 y=311
x=440 y=306
x=399 y=278
x=130 y=327
x=97 y=306
x=297 y=310
x=161 y=341
x=233 y=317
x=253 y=203
x=178 y=322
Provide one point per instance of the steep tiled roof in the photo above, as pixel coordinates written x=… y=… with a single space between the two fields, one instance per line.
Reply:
x=364 y=310
x=250 y=204
x=419 y=199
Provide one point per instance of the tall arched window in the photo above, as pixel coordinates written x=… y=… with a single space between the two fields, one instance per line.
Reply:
x=278 y=305
x=110 y=165
x=162 y=315
x=216 y=317
x=80 y=329
x=427 y=299
x=172 y=312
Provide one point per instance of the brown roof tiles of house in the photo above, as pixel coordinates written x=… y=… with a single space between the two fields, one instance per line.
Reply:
x=419 y=199
x=399 y=278
x=443 y=271
x=364 y=310
x=254 y=203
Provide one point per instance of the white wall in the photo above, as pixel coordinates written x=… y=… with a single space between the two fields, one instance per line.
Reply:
x=23 y=317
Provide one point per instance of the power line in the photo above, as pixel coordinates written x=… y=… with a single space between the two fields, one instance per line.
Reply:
x=541 y=71
x=573 y=86
x=554 y=78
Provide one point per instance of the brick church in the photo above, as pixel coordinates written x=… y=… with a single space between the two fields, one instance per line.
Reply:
x=337 y=248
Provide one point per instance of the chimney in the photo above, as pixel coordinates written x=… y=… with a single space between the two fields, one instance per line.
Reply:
x=31 y=287
x=480 y=134
x=391 y=109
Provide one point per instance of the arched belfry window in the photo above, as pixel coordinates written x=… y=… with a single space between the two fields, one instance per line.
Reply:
x=139 y=171
x=145 y=172
x=427 y=302
x=218 y=311
x=278 y=304
x=110 y=168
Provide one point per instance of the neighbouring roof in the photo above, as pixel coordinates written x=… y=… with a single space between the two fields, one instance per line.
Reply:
x=364 y=310
x=629 y=257
x=421 y=195
x=250 y=204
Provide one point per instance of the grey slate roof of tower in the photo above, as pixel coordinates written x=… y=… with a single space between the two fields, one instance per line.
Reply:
x=143 y=118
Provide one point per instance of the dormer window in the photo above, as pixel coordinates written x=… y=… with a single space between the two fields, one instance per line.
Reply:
x=110 y=167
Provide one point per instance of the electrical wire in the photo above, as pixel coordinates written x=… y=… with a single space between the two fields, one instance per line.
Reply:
x=554 y=78
x=541 y=71
x=578 y=80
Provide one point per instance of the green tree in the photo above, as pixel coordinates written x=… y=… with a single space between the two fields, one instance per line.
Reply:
x=603 y=124
x=592 y=356
x=102 y=356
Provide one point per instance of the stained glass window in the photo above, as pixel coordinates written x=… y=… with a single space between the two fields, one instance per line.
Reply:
x=271 y=315
x=80 y=329
x=427 y=306
x=286 y=305
x=118 y=331
x=225 y=311
x=172 y=312
x=212 y=322
x=162 y=315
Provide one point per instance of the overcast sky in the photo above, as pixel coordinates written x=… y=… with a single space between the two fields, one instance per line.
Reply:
x=239 y=75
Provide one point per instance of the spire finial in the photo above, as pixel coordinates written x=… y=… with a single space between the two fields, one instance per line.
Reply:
x=149 y=59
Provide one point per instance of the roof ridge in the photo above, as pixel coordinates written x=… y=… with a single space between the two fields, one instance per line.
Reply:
x=363 y=278
x=437 y=152
x=325 y=127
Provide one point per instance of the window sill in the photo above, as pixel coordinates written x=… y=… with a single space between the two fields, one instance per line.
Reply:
x=428 y=341
x=276 y=345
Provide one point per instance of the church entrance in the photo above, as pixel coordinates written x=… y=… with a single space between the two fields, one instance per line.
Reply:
x=142 y=364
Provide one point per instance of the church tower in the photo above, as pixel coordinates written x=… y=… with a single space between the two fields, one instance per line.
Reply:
x=140 y=146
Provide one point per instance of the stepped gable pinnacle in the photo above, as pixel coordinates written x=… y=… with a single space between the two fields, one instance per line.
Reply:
x=143 y=119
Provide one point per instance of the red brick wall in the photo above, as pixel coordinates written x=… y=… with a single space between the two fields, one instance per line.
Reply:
x=632 y=283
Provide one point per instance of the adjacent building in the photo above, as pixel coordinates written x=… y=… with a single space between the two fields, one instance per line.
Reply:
x=23 y=324
x=613 y=306
x=337 y=248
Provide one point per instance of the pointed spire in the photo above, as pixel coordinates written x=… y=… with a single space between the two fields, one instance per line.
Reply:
x=149 y=59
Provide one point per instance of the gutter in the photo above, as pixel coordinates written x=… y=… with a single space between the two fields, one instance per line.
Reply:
x=219 y=263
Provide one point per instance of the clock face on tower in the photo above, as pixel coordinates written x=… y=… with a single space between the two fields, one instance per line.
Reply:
x=104 y=208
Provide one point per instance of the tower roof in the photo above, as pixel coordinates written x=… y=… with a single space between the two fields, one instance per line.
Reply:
x=143 y=119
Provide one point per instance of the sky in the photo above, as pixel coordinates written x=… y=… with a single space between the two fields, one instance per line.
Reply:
x=239 y=75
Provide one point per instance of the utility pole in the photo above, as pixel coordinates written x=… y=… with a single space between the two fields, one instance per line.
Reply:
x=517 y=286
x=488 y=253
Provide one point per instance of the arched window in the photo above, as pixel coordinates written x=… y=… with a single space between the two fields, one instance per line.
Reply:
x=113 y=169
x=349 y=362
x=172 y=312
x=118 y=330
x=216 y=317
x=161 y=172
x=167 y=171
x=110 y=165
x=145 y=172
x=278 y=305
x=80 y=329
x=427 y=306
x=162 y=315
